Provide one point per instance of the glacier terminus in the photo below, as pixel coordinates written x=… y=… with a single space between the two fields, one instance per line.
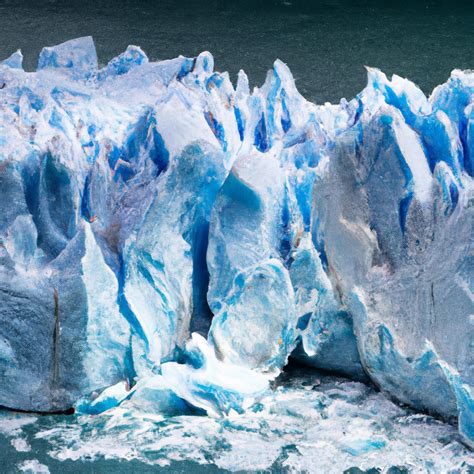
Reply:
x=169 y=241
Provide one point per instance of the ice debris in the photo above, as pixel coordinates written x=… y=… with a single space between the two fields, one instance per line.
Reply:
x=148 y=206
x=310 y=422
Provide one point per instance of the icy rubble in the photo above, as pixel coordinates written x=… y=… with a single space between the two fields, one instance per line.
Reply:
x=309 y=423
x=168 y=239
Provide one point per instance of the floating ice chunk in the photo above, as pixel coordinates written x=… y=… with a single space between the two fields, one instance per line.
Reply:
x=33 y=466
x=214 y=386
x=155 y=394
x=109 y=398
x=203 y=382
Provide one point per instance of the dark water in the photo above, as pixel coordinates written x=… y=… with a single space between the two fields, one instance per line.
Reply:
x=325 y=43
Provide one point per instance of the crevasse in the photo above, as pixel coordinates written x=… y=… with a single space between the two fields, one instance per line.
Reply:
x=169 y=240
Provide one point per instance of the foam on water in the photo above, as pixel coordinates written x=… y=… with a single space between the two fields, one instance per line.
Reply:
x=310 y=422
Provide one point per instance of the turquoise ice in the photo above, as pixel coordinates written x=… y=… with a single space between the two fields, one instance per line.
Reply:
x=169 y=240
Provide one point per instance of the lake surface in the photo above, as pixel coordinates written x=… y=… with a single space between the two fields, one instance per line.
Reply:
x=325 y=43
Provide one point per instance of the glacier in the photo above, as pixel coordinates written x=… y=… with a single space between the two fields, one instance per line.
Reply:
x=169 y=240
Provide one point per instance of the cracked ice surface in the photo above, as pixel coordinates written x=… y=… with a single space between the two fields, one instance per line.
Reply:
x=168 y=239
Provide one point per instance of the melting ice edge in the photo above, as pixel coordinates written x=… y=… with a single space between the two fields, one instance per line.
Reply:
x=167 y=240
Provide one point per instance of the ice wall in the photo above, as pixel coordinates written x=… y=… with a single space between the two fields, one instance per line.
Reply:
x=147 y=201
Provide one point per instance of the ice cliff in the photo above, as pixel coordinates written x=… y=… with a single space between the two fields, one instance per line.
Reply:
x=169 y=240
